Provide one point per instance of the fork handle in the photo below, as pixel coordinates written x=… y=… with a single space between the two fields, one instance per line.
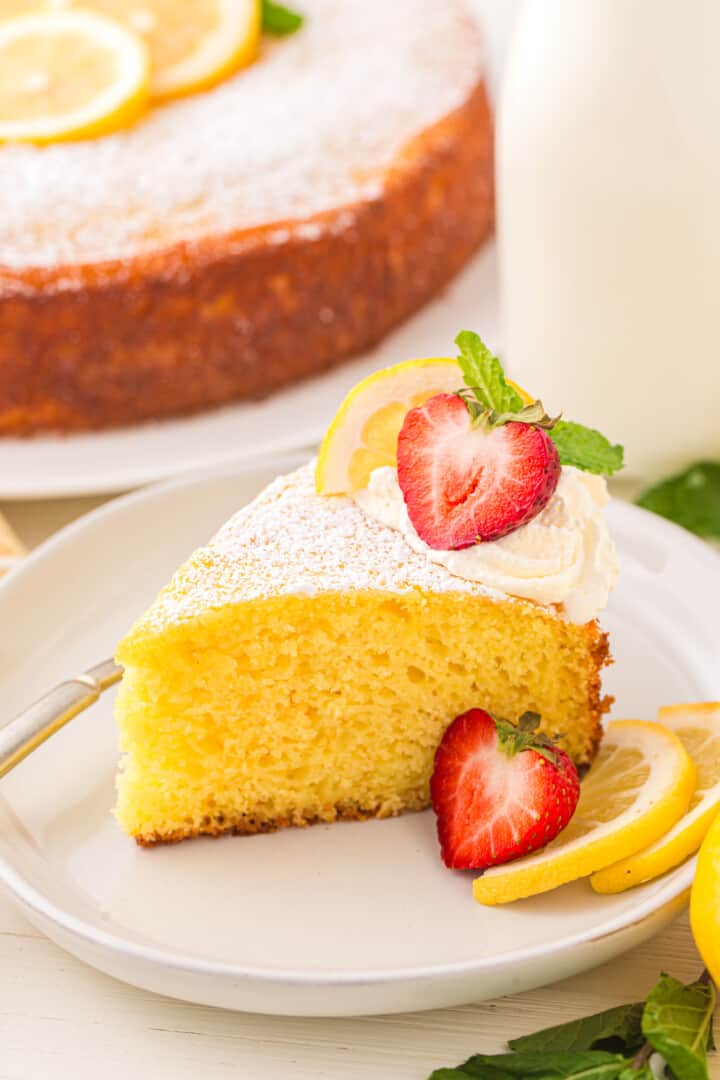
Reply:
x=31 y=728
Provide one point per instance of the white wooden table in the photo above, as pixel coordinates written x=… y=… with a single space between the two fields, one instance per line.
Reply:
x=60 y=1020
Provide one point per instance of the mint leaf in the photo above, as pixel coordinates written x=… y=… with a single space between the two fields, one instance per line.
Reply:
x=484 y=374
x=586 y=449
x=677 y=1022
x=588 y=1065
x=618 y=1029
x=460 y=1074
x=690 y=498
x=277 y=19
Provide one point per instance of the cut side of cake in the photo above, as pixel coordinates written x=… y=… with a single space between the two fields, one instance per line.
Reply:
x=304 y=665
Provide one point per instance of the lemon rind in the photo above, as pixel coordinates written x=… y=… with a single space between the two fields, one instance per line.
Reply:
x=331 y=476
x=680 y=843
x=114 y=108
x=232 y=46
x=542 y=872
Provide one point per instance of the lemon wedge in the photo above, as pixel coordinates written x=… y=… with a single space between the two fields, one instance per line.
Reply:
x=69 y=75
x=364 y=433
x=698 y=728
x=194 y=44
x=705 y=901
x=641 y=783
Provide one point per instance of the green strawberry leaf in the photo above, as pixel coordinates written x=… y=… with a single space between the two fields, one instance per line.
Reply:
x=618 y=1029
x=690 y=498
x=586 y=449
x=580 y=1065
x=677 y=1022
x=514 y=738
x=277 y=19
x=483 y=373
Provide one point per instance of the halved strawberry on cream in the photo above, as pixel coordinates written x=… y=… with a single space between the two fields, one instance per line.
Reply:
x=466 y=479
x=489 y=486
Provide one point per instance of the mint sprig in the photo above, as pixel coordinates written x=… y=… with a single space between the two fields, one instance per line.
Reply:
x=279 y=20
x=484 y=375
x=678 y=1023
x=579 y=446
x=675 y=1021
x=581 y=1065
x=690 y=498
x=616 y=1029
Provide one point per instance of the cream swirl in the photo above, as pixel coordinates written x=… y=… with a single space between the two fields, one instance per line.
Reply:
x=565 y=555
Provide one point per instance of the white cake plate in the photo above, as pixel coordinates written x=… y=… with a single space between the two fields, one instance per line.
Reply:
x=341 y=920
x=110 y=461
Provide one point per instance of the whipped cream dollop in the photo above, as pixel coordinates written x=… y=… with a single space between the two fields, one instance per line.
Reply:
x=565 y=555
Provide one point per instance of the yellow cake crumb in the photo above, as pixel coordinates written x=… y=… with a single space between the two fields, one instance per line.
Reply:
x=259 y=693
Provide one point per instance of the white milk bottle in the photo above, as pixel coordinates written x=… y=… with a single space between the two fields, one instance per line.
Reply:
x=609 y=220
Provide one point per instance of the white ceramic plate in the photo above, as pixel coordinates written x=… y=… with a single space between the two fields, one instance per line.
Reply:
x=347 y=919
x=100 y=463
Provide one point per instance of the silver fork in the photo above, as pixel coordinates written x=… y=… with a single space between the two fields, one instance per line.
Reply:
x=31 y=728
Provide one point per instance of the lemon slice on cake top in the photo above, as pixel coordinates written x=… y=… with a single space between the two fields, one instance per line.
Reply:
x=69 y=75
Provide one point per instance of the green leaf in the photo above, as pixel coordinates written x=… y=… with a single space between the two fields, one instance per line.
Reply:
x=484 y=374
x=277 y=19
x=582 y=1065
x=631 y=1073
x=460 y=1074
x=690 y=498
x=448 y=1074
x=677 y=1021
x=586 y=449
x=618 y=1029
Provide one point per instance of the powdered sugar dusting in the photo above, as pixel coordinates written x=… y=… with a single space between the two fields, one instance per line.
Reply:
x=311 y=126
x=292 y=541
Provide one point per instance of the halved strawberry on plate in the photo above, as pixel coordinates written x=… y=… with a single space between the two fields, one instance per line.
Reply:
x=500 y=790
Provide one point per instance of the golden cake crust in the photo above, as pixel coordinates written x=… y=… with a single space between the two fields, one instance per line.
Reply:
x=251 y=826
x=232 y=315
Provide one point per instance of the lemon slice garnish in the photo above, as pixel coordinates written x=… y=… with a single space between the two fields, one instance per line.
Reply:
x=698 y=728
x=640 y=784
x=193 y=44
x=364 y=432
x=69 y=75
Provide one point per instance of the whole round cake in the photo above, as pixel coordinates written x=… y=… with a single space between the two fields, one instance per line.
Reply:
x=235 y=241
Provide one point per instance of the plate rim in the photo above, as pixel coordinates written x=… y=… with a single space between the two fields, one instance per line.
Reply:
x=676 y=882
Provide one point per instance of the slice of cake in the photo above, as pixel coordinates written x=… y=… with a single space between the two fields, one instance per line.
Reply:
x=304 y=665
